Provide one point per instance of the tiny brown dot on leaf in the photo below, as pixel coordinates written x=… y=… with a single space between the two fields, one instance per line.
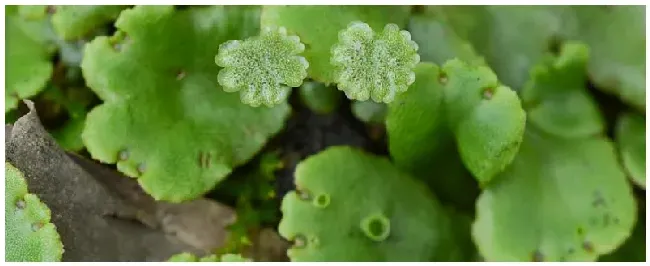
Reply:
x=20 y=204
x=180 y=75
x=443 y=78
x=51 y=9
x=36 y=226
x=123 y=155
x=299 y=241
x=303 y=195
x=488 y=93
x=142 y=167
x=537 y=256
x=606 y=219
x=588 y=246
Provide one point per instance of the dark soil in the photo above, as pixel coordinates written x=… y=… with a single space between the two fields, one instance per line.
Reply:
x=307 y=133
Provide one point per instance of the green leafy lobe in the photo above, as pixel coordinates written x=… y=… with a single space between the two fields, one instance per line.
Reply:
x=28 y=66
x=418 y=137
x=335 y=216
x=561 y=199
x=263 y=68
x=164 y=119
x=376 y=66
x=631 y=138
x=633 y=250
x=556 y=99
x=486 y=118
x=29 y=234
x=71 y=22
x=616 y=36
x=512 y=39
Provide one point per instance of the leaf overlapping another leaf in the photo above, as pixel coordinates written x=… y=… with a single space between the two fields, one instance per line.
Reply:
x=616 y=36
x=71 y=22
x=556 y=99
x=165 y=119
x=418 y=138
x=487 y=118
x=565 y=196
x=318 y=28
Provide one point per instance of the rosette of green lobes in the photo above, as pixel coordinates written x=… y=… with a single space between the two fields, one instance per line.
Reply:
x=324 y=23
x=335 y=215
x=630 y=137
x=165 y=119
x=71 y=22
x=28 y=66
x=262 y=68
x=485 y=117
x=556 y=99
x=565 y=197
x=374 y=66
x=29 y=234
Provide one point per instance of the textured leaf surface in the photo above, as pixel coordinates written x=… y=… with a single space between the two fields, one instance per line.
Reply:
x=556 y=97
x=616 y=36
x=29 y=234
x=318 y=28
x=320 y=98
x=71 y=22
x=164 y=119
x=421 y=143
x=631 y=139
x=486 y=118
x=371 y=65
x=336 y=216
x=262 y=68
x=28 y=66
x=560 y=200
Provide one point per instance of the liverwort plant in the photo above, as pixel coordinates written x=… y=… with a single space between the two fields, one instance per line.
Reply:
x=29 y=234
x=184 y=101
x=377 y=66
x=488 y=133
x=263 y=68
